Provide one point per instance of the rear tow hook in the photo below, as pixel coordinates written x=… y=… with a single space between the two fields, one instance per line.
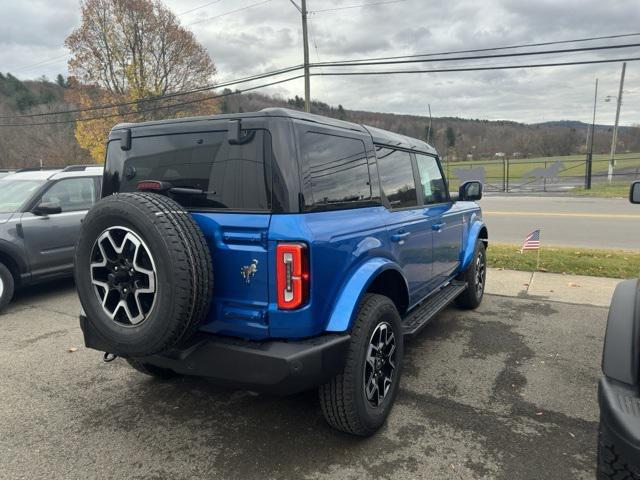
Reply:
x=109 y=357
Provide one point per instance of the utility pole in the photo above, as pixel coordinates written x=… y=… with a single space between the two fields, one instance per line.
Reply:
x=614 y=140
x=429 y=130
x=587 y=180
x=302 y=8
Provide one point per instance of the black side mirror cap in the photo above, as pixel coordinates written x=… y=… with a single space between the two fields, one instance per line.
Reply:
x=634 y=192
x=45 y=209
x=470 y=191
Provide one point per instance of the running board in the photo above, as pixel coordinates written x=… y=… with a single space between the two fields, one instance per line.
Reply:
x=424 y=313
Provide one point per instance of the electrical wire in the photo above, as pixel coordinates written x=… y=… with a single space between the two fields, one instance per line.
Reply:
x=162 y=97
x=173 y=105
x=491 y=49
x=198 y=8
x=481 y=57
x=355 y=6
x=478 y=69
x=229 y=13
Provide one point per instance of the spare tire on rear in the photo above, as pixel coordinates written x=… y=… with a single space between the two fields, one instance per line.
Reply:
x=143 y=273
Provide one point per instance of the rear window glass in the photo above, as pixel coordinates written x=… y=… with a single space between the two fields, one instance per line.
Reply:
x=335 y=170
x=230 y=176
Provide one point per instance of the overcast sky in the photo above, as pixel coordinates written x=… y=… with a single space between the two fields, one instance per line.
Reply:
x=268 y=36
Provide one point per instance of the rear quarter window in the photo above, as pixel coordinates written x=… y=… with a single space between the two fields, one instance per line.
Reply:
x=335 y=171
x=231 y=176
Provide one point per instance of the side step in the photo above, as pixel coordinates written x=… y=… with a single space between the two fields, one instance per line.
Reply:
x=424 y=313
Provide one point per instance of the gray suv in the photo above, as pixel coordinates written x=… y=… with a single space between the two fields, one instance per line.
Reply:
x=40 y=216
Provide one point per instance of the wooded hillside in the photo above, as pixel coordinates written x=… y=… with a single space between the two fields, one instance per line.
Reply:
x=461 y=138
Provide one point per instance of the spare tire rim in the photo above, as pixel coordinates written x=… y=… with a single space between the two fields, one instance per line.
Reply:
x=380 y=364
x=123 y=275
x=1 y=287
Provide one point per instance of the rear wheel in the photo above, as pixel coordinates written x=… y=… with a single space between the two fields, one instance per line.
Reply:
x=475 y=276
x=6 y=286
x=359 y=400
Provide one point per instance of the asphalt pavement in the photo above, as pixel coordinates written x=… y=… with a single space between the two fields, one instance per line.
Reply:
x=565 y=221
x=507 y=392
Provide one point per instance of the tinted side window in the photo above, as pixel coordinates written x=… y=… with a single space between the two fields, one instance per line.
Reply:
x=231 y=176
x=335 y=170
x=72 y=194
x=396 y=177
x=433 y=186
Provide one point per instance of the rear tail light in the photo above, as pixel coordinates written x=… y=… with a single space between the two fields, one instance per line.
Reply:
x=152 y=186
x=292 y=271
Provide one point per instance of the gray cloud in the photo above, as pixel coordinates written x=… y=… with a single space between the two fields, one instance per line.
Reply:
x=269 y=36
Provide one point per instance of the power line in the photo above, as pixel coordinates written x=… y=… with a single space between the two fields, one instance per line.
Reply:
x=480 y=57
x=229 y=13
x=161 y=97
x=509 y=47
x=355 y=6
x=477 y=69
x=26 y=67
x=174 y=105
x=197 y=8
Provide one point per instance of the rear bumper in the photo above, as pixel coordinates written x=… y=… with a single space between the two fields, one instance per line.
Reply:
x=620 y=411
x=276 y=366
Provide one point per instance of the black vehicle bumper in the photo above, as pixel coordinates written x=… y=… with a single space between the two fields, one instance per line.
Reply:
x=620 y=411
x=275 y=366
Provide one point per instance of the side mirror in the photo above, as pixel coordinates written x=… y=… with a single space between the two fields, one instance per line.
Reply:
x=634 y=192
x=45 y=209
x=470 y=191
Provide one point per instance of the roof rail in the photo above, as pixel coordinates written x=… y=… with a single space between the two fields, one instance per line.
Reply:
x=79 y=168
x=37 y=169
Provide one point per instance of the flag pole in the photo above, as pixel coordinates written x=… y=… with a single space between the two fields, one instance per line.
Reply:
x=538 y=263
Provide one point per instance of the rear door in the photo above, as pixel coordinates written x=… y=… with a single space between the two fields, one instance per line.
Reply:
x=50 y=240
x=233 y=212
x=409 y=229
x=446 y=221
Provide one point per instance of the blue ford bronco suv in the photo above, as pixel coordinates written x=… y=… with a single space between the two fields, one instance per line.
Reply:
x=276 y=251
x=619 y=392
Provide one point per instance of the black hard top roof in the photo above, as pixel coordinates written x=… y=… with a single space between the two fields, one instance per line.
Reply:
x=379 y=136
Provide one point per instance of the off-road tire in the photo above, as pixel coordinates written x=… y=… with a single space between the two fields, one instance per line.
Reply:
x=472 y=297
x=343 y=399
x=183 y=269
x=6 y=286
x=151 y=370
x=611 y=463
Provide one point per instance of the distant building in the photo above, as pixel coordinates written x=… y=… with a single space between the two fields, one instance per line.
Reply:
x=500 y=155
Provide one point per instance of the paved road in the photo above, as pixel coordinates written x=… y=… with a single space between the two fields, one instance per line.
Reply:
x=506 y=392
x=572 y=221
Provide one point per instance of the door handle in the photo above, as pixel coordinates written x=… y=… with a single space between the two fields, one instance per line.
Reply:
x=438 y=226
x=398 y=237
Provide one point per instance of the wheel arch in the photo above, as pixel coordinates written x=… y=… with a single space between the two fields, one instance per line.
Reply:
x=478 y=230
x=14 y=262
x=377 y=275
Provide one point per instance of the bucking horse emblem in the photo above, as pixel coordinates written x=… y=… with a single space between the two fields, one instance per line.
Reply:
x=248 y=271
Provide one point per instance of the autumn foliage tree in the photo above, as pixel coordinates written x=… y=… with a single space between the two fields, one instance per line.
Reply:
x=133 y=51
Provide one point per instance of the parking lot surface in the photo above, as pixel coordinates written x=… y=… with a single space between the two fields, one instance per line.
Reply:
x=507 y=391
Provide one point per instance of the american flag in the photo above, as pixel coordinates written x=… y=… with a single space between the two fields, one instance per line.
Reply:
x=532 y=241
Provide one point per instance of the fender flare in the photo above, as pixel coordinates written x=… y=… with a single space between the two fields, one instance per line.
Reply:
x=353 y=289
x=17 y=263
x=621 y=354
x=478 y=230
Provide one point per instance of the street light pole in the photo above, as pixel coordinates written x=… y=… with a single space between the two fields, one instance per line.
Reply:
x=614 y=140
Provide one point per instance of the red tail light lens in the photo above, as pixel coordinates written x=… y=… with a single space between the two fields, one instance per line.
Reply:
x=292 y=271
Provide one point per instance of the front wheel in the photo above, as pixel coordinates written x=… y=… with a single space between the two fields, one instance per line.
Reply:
x=475 y=276
x=359 y=400
x=611 y=463
x=6 y=286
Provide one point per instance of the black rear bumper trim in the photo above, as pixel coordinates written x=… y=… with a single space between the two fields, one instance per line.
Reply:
x=274 y=366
